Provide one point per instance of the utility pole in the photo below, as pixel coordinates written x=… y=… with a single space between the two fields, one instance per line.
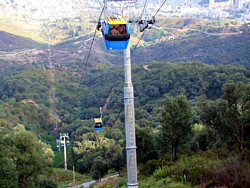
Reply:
x=63 y=137
x=130 y=122
x=74 y=178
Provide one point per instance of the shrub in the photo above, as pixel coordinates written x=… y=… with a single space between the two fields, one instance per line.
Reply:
x=48 y=183
x=231 y=171
x=178 y=185
x=160 y=173
x=153 y=165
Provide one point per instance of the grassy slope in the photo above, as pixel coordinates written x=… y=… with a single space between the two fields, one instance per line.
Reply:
x=65 y=177
x=25 y=29
x=9 y=42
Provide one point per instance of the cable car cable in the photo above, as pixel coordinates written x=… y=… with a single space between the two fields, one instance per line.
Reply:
x=144 y=8
x=105 y=136
x=160 y=7
x=87 y=59
x=138 y=42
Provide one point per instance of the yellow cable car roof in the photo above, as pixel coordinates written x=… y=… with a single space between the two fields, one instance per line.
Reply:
x=118 y=19
x=98 y=120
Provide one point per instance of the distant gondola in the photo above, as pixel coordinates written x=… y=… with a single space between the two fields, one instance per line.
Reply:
x=116 y=33
x=98 y=124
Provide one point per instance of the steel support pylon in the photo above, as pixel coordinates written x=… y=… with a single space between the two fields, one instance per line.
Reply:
x=130 y=122
x=64 y=136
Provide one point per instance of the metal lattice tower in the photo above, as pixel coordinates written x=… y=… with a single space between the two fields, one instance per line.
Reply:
x=63 y=137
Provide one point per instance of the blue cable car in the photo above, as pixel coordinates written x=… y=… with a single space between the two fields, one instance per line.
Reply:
x=116 y=32
x=67 y=143
x=98 y=124
x=62 y=143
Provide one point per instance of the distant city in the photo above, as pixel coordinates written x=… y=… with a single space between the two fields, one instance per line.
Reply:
x=51 y=9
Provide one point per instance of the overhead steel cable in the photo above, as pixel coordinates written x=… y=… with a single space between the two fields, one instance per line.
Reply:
x=144 y=9
x=145 y=30
x=105 y=136
x=138 y=42
x=87 y=59
x=160 y=8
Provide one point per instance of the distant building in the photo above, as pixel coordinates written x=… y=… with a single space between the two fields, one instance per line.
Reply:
x=225 y=5
x=239 y=3
x=211 y=4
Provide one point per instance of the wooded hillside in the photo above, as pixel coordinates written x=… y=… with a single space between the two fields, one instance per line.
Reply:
x=26 y=99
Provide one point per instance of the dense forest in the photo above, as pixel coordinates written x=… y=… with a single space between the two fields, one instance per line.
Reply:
x=192 y=124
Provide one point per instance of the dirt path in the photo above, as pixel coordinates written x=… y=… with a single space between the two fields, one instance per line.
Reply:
x=146 y=68
x=88 y=183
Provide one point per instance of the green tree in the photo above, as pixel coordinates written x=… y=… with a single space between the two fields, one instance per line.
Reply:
x=99 y=168
x=177 y=121
x=115 y=157
x=30 y=156
x=230 y=115
x=146 y=144
x=8 y=176
x=211 y=115
x=237 y=96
